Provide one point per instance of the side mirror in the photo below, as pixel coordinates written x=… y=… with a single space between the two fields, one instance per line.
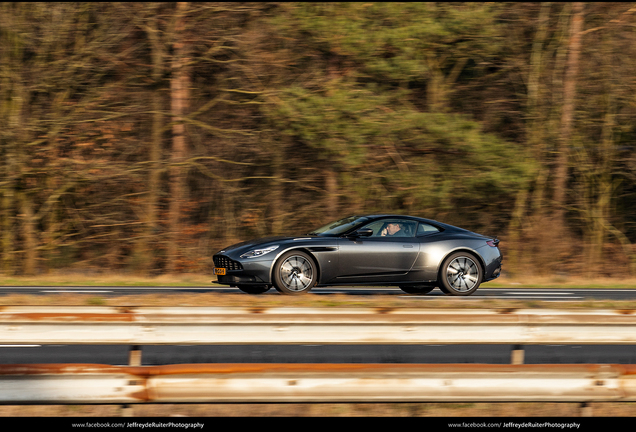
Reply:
x=365 y=232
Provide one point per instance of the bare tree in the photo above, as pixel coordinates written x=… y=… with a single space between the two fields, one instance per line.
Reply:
x=569 y=97
x=179 y=93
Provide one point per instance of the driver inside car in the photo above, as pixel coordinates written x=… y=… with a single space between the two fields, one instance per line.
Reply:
x=392 y=229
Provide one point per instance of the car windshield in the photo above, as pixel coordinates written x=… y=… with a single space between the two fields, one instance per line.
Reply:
x=339 y=227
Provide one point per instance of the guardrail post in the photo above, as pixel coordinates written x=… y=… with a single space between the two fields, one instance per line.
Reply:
x=517 y=354
x=586 y=409
x=134 y=359
x=134 y=356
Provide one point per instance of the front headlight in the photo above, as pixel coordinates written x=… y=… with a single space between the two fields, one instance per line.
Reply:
x=259 y=252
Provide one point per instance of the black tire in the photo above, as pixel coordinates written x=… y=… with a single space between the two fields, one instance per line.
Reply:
x=254 y=289
x=417 y=289
x=460 y=274
x=295 y=272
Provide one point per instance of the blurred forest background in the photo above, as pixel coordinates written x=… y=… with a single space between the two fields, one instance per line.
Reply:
x=143 y=137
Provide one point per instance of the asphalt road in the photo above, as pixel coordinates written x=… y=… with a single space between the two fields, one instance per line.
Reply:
x=511 y=293
x=494 y=354
x=160 y=354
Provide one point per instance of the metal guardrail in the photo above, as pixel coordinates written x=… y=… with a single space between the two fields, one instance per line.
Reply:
x=205 y=325
x=68 y=383
x=214 y=383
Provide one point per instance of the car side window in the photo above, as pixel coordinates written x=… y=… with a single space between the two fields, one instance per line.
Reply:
x=426 y=229
x=388 y=228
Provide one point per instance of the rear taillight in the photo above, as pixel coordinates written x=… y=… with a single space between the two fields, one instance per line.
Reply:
x=492 y=243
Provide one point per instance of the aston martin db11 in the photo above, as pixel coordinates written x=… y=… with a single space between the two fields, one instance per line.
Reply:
x=413 y=253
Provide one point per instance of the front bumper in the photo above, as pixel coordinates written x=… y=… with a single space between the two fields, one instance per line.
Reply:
x=242 y=272
x=233 y=280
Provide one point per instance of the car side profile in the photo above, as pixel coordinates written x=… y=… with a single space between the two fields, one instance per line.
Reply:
x=413 y=253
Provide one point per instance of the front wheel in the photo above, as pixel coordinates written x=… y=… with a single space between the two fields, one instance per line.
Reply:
x=416 y=289
x=295 y=272
x=460 y=274
x=254 y=289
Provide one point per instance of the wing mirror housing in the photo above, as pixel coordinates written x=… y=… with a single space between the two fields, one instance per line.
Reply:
x=364 y=232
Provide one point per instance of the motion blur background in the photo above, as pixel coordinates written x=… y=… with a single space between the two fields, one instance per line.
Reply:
x=143 y=137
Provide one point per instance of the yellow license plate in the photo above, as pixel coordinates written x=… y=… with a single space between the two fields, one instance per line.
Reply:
x=219 y=271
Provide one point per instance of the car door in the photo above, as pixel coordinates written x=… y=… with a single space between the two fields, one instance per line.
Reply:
x=432 y=250
x=378 y=258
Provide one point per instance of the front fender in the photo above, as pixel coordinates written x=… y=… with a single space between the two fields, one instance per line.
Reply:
x=325 y=257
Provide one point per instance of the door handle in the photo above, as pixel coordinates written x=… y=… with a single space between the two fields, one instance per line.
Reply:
x=408 y=246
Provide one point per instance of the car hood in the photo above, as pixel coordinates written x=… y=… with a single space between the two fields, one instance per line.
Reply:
x=250 y=244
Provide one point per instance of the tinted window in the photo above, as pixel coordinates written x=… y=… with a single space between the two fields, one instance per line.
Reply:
x=339 y=227
x=392 y=228
x=424 y=229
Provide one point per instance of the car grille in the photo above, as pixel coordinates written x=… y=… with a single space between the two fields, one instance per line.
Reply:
x=221 y=261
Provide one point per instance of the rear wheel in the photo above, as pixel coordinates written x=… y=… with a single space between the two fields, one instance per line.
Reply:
x=295 y=272
x=460 y=274
x=254 y=289
x=417 y=289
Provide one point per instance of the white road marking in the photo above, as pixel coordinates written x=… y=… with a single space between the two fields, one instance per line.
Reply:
x=76 y=291
x=326 y=292
x=574 y=289
x=537 y=296
x=539 y=293
x=20 y=346
x=341 y=290
x=500 y=297
x=562 y=301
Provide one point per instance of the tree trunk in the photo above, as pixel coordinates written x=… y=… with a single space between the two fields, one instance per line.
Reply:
x=515 y=227
x=535 y=127
x=436 y=95
x=13 y=136
x=331 y=197
x=28 y=234
x=276 y=201
x=179 y=91
x=152 y=226
x=604 y=191
x=7 y=230
x=536 y=61
x=569 y=94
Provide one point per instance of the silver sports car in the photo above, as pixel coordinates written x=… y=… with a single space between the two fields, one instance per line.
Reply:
x=413 y=253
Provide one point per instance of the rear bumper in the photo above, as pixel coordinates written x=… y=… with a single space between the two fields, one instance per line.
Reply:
x=493 y=269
